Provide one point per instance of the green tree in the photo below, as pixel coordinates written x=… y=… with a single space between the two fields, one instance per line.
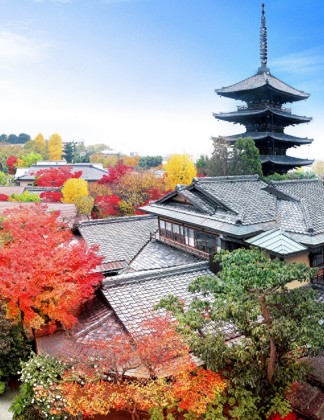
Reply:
x=6 y=180
x=147 y=162
x=202 y=164
x=277 y=325
x=69 y=152
x=245 y=159
x=220 y=162
x=25 y=197
x=13 y=347
x=25 y=161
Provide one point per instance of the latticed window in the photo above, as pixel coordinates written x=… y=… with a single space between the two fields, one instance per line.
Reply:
x=189 y=236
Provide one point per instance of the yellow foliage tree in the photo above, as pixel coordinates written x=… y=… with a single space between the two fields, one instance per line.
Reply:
x=40 y=145
x=37 y=145
x=73 y=189
x=55 y=147
x=180 y=170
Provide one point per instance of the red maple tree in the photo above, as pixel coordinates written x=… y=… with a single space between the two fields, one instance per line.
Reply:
x=106 y=206
x=4 y=197
x=44 y=275
x=55 y=177
x=115 y=173
x=51 y=196
x=11 y=162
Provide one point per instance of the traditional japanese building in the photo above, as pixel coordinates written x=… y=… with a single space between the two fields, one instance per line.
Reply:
x=264 y=116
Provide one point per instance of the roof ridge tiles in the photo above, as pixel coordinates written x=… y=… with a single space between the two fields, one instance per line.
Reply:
x=116 y=220
x=228 y=178
x=140 y=276
x=293 y=181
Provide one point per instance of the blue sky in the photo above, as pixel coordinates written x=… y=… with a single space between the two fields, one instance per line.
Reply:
x=139 y=75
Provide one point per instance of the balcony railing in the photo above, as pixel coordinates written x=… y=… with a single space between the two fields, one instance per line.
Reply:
x=262 y=106
x=186 y=248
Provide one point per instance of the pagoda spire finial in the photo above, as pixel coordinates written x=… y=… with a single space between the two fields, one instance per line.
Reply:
x=263 y=42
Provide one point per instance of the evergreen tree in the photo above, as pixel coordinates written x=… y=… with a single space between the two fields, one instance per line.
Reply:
x=220 y=162
x=69 y=152
x=246 y=159
x=276 y=326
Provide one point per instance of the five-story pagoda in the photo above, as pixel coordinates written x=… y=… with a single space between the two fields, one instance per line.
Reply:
x=264 y=116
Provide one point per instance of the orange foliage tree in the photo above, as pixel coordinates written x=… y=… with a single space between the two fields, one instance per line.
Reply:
x=137 y=188
x=165 y=378
x=44 y=275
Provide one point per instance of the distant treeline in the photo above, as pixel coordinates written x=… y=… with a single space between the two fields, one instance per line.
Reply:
x=22 y=138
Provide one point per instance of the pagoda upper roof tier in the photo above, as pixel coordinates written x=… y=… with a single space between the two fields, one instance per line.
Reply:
x=263 y=135
x=284 y=160
x=278 y=116
x=259 y=85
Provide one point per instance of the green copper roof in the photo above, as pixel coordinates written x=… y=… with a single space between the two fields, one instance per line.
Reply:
x=276 y=241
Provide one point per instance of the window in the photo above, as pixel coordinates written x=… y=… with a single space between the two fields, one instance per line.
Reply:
x=168 y=230
x=201 y=240
x=190 y=237
x=194 y=238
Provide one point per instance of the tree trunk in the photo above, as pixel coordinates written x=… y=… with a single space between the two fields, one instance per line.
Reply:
x=273 y=349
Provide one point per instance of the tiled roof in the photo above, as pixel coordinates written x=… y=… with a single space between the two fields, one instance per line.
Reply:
x=132 y=296
x=89 y=171
x=249 y=206
x=305 y=215
x=238 y=201
x=276 y=241
x=259 y=80
x=11 y=190
x=257 y=135
x=40 y=190
x=156 y=255
x=285 y=160
x=267 y=111
x=67 y=212
x=307 y=400
x=96 y=323
x=119 y=239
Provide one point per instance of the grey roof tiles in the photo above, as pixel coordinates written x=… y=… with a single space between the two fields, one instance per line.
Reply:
x=132 y=296
x=119 y=239
x=262 y=80
x=248 y=206
x=90 y=172
x=156 y=255
x=261 y=135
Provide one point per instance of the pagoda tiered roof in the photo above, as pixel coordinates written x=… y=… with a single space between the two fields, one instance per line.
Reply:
x=263 y=135
x=259 y=85
x=284 y=160
x=277 y=116
x=263 y=116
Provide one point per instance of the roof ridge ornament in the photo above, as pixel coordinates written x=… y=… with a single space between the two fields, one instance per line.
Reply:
x=263 y=44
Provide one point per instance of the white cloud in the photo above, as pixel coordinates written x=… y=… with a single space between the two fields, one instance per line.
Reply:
x=304 y=62
x=17 y=49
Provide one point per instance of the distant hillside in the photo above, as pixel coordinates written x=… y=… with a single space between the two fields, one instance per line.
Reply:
x=13 y=139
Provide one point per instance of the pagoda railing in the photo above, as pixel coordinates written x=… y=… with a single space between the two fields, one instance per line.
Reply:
x=262 y=106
